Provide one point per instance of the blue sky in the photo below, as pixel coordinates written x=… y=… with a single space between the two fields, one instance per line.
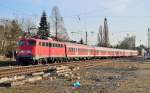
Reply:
x=124 y=16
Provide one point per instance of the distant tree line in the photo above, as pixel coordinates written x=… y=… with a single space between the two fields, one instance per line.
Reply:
x=10 y=31
x=127 y=43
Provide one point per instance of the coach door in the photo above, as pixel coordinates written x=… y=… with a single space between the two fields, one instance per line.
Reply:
x=65 y=50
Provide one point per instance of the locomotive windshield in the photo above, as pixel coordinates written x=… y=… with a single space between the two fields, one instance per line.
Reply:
x=27 y=43
x=31 y=43
x=21 y=43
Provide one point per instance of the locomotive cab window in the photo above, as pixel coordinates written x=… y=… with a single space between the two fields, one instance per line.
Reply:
x=28 y=42
x=32 y=42
x=21 y=43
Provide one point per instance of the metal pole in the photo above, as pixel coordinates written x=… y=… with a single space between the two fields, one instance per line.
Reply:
x=49 y=28
x=148 y=39
x=56 y=25
x=86 y=36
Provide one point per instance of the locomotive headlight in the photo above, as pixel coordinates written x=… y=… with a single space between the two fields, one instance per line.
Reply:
x=28 y=51
x=22 y=51
x=25 y=51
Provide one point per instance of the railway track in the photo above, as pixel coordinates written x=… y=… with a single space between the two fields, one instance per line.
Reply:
x=22 y=70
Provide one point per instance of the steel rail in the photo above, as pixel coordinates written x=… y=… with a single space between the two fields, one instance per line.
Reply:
x=20 y=70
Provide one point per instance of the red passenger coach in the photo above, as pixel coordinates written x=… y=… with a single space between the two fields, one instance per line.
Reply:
x=79 y=51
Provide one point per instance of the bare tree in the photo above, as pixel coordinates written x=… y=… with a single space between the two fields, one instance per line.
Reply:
x=100 y=37
x=28 y=27
x=10 y=31
x=58 y=26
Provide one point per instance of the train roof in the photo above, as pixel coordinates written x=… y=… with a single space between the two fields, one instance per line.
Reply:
x=43 y=40
x=75 y=44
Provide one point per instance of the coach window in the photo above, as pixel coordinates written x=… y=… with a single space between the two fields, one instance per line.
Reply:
x=47 y=44
x=61 y=45
x=43 y=43
x=70 y=49
x=51 y=44
x=54 y=45
x=40 y=44
x=57 y=45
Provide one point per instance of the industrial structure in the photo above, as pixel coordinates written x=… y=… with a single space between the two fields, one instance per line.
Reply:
x=103 y=35
x=148 y=39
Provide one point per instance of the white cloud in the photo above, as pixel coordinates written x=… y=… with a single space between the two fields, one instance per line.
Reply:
x=116 y=6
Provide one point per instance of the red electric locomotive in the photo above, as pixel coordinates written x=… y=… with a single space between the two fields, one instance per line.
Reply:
x=34 y=51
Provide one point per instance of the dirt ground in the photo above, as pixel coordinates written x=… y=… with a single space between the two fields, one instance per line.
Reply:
x=120 y=76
